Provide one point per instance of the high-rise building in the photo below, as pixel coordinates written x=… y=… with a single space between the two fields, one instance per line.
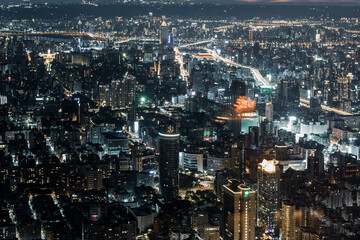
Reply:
x=164 y=33
x=169 y=160
x=344 y=85
x=238 y=212
x=128 y=91
x=237 y=161
x=254 y=136
x=94 y=180
x=194 y=161
x=115 y=97
x=251 y=34
x=294 y=217
x=343 y=166
x=124 y=162
x=344 y=93
x=128 y=96
x=269 y=111
x=148 y=53
x=238 y=89
x=104 y=95
x=209 y=232
x=268 y=194
x=196 y=79
x=316 y=164
x=317 y=37
x=120 y=93
x=151 y=19
x=3 y=100
x=221 y=178
x=173 y=32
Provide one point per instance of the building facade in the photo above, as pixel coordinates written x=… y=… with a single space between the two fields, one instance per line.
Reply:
x=169 y=160
x=238 y=212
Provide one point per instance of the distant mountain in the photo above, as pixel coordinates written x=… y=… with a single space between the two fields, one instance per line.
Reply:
x=221 y=2
x=283 y=2
x=247 y=11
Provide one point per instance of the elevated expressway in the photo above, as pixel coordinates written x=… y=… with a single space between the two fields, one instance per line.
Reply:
x=260 y=80
x=118 y=40
x=263 y=82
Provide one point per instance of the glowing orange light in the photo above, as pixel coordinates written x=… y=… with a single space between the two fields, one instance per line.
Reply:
x=244 y=105
x=243 y=108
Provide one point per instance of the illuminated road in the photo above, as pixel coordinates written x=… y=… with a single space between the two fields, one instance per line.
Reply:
x=103 y=36
x=43 y=33
x=195 y=43
x=255 y=72
x=263 y=82
x=178 y=56
x=306 y=103
x=179 y=59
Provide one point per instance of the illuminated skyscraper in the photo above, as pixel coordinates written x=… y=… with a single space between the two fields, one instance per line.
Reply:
x=237 y=161
x=127 y=95
x=251 y=34
x=344 y=93
x=294 y=216
x=268 y=194
x=344 y=84
x=164 y=33
x=238 y=212
x=269 y=111
x=94 y=180
x=317 y=36
x=316 y=164
x=151 y=19
x=238 y=89
x=115 y=97
x=169 y=160
x=127 y=91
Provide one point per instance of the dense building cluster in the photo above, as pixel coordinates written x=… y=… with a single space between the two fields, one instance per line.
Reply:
x=178 y=127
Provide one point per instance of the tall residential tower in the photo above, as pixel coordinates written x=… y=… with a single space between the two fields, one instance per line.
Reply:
x=238 y=212
x=169 y=160
x=164 y=33
x=268 y=194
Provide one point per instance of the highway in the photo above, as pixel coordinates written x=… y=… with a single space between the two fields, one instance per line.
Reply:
x=179 y=59
x=306 y=103
x=263 y=82
x=255 y=72
x=194 y=44
x=178 y=56
x=120 y=39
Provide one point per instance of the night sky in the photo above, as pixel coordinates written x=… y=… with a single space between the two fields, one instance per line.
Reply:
x=302 y=2
x=281 y=1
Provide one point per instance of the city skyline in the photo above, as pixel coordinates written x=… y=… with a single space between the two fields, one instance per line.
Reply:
x=160 y=120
